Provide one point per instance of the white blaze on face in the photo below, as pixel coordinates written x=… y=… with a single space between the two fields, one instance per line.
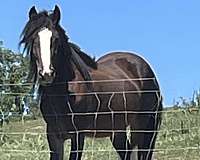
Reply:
x=45 y=43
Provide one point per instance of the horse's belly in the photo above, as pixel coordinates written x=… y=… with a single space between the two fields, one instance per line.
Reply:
x=105 y=125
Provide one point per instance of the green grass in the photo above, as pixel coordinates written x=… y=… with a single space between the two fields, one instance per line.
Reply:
x=179 y=138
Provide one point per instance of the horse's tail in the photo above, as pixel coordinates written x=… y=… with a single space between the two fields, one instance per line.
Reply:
x=159 y=113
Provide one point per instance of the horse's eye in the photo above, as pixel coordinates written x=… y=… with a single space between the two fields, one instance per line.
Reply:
x=54 y=47
x=34 y=54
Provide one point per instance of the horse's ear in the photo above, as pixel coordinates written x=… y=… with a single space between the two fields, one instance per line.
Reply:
x=56 y=15
x=32 y=12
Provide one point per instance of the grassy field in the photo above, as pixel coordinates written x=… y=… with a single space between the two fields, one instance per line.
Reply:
x=179 y=139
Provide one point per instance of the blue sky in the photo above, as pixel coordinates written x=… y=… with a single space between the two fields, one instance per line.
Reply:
x=166 y=33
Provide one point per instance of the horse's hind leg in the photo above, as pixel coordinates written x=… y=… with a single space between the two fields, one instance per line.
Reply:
x=121 y=144
x=145 y=147
x=149 y=138
x=144 y=138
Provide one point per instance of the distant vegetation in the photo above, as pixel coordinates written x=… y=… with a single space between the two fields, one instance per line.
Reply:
x=13 y=72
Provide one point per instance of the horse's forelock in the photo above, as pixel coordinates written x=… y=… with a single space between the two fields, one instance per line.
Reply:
x=33 y=25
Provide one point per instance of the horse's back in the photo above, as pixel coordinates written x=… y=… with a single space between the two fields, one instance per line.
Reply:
x=132 y=64
x=124 y=67
x=113 y=56
x=117 y=55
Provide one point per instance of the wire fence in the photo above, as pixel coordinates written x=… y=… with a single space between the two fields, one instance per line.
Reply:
x=179 y=134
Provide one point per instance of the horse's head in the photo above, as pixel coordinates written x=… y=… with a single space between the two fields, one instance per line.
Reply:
x=50 y=52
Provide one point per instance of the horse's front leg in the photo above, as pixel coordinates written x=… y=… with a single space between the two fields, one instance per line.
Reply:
x=77 y=143
x=56 y=144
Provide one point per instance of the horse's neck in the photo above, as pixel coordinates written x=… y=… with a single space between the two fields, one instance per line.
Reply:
x=76 y=86
x=55 y=97
x=55 y=90
x=54 y=107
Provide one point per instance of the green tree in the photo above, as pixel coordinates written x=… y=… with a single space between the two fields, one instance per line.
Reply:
x=13 y=72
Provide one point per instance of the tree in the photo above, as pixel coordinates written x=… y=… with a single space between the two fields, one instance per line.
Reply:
x=13 y=72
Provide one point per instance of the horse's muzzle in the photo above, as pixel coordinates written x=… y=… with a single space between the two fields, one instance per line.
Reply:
x=46 y=79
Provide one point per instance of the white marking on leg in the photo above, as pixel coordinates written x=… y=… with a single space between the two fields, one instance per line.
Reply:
x=134 y=153
x=45 y=50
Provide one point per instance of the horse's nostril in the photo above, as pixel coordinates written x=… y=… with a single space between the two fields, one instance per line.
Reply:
x=40 y=73
x=51 y=68
x=53 y=73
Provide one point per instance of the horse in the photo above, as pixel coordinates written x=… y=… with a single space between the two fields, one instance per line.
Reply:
x=81 y=97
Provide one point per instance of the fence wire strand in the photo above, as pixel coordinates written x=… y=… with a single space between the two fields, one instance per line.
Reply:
x=83 y=82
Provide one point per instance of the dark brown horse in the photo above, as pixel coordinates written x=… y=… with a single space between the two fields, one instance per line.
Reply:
x=79 y=100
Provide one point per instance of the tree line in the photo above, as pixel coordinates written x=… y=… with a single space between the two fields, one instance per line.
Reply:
x=13 y=73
